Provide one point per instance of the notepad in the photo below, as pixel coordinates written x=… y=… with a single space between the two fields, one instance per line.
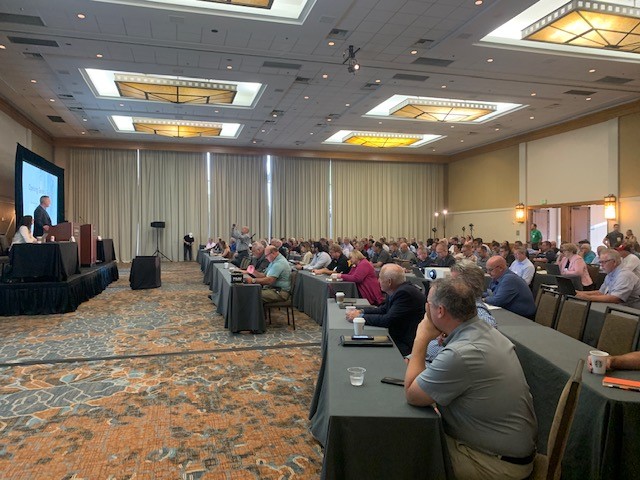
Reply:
x=378 y=341
x=622 y=383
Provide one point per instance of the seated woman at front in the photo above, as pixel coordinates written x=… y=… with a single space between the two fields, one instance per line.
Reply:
x=364 y=276
x=210 y=244
x=571 y=263
x=24 y=235
x=305 y=251
x=225 y=251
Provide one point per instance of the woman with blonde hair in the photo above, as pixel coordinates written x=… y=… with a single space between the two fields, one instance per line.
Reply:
x=364 y=276
x=571 y=263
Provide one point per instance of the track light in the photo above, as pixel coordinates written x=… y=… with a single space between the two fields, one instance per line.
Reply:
x=350 y=60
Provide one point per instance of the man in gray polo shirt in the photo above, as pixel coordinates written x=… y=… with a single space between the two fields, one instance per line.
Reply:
x=243 y=243
x=478 y=385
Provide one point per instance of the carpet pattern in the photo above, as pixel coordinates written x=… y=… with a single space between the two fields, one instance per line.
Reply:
x=179 y=404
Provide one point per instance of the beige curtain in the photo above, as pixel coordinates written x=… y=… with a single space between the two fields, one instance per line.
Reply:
x=101 y=189
x=300 y=197
x=385 y=199
x=238 y=194
x=173 y=189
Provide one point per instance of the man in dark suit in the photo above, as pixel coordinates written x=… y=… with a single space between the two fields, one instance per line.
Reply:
x=401 y=312
x=41 y=219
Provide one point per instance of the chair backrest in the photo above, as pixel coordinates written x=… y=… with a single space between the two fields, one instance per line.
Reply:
x=572 y=316
x=562 y=420
x=619 y=333
x=294 y=276
x=4 y=245
x=594 y=273
x=548 y=303
x=244 y=263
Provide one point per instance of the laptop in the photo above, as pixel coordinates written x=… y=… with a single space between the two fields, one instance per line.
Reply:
x=418 y=272
x=552 y=268
x=565 y=286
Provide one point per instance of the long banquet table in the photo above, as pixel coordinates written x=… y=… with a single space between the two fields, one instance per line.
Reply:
x=206 y=265
x=311 y=293
x=239 y=304
x=605 y=439
x=52 y=261
x=371 y=431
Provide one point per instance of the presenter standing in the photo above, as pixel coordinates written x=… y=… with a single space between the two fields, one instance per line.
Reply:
x=41 y=219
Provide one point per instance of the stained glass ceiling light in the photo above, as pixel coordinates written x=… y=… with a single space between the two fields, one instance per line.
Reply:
x=176 y=128
x=441 y=110
x=590 y=24
x=146 y=87
x=245 y=3
x=381 y=140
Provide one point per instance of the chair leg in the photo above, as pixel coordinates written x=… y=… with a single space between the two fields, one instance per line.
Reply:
x=293 y=318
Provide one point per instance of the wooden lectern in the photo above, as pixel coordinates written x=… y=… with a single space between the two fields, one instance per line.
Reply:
x=88 y=244
x=64 y=231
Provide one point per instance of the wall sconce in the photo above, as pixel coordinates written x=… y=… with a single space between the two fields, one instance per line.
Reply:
x=610 y=207
x=521 y=214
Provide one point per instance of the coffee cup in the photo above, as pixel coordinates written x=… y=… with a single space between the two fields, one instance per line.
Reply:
x=598 y=362
x=339 y=297
x=358 y=326
x=226 y=265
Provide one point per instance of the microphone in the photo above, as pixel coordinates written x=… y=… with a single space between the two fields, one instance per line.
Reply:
x=81 y=219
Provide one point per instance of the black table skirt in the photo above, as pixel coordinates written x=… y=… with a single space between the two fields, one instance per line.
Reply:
x=54 y=261
x=105 y=252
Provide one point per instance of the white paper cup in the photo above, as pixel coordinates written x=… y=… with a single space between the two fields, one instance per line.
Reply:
x=356 y=375
x=334 y=276
x=226 y=265
x=358 y=326
x=52 y=238
x=339 y=297
x=598 y=362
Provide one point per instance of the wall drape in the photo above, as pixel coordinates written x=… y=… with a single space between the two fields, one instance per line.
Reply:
x=238 y=194
x=385 y=199
x=101 y=189
x=300 y=197
x=173 y=189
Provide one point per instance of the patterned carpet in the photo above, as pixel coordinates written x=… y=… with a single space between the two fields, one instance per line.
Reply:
x=172 y=396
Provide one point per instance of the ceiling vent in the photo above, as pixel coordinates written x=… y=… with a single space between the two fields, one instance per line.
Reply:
x=76 y=109
x=583 y=93
x=327 y=19
x=93 y=130
x=65 y=96
x=302 y=80
x=63 y=72
x=338 y=34
x=432 y=62
x=410 y=78
x=33 y=41
x=55 y=119
x=282 y=66
x=32 y=55
x=21 y=19
x=424 y=43
x=552 y=106
x=370 y=86
x=614 y=80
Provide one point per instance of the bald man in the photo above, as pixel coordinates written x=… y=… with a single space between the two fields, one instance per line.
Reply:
x=508 y=290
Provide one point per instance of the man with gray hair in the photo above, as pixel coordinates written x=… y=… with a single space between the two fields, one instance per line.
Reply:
x=243 y=243
x=402 y=310
x=522 y=266
x=258 y=258
x=620 y=285
x=478 y=385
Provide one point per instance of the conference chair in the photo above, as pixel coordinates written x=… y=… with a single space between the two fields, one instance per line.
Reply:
x=4 y=255
x=549 y=466
x=547 y=303
x=596 y=277
x=572 y=316
x=286 y=304
x=619 y=333
x=245 y=262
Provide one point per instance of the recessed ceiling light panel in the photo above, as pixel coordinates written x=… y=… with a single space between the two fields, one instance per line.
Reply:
x=381 y=139
x=174 y=128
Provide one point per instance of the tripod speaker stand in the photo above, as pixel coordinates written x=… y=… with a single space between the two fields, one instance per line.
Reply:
x=159 y=226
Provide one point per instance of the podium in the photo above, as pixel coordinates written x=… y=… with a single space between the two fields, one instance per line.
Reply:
x=64 y=231
x=88 y=244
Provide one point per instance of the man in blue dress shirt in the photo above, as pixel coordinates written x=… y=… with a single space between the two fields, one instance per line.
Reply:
x=508 y=290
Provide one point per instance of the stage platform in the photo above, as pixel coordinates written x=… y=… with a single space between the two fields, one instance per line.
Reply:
x=44 y=298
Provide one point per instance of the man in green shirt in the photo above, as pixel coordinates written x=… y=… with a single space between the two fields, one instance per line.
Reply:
x=276 y=279
x=535 y=237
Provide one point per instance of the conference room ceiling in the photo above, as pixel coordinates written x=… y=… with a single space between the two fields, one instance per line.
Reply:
x=47 y=47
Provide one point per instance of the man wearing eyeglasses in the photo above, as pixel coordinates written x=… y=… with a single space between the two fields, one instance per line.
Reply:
x=508 y=290
x=276 y=279
x=620 y=285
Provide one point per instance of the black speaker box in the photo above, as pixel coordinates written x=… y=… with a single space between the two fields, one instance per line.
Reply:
x=157 y=224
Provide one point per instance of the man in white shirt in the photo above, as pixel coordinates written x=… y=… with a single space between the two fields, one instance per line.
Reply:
x=522 y=266
x=629 y=260
x=319 y=260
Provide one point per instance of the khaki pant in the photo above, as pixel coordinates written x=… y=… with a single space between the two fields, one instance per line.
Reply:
x=471 y=464
x=270 y=295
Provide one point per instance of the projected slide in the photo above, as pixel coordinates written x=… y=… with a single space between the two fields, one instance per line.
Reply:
x=35 y=183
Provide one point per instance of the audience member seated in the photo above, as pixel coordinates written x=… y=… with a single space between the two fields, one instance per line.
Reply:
x=508 y=290
x=628 y=361
x=393 y=250
x=586 y=253
x=483 y=254
x=23 y=234
x=381 y=256
x=276 y=279
x=505 y=252
x=443 y=257
x=546 y=254
x=364 y=276
x=571 y=263
x=406 y=254
x=473 y=276
x=401 y=312
x=305 y=251
x=339 y=263
x=210 y=245
x=258 y=258
x=478 y=385
x=468 y=253
x=225 y=251
x=423 y=257
x=522 y=266
x=629 y=237
x=629 y=261
x=320 y=258
x=620 y=285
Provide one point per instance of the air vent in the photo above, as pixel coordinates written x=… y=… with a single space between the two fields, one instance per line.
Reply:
x=76 y=109
x=33 y=41
x=370 y=86
x=63 y=72
x=410 y=78
x=299 y=142
x=614 y=80
x=65 y=96
x=32 y=55
x=55 y=119
x=21 y=19
x=338 y=34
x=423 y=42
x=472 y=133
x=93 y=130
x=283 y=66
x=433 y=62
x=327 y=19
x=584 y=93
x=464 y=36
x=302 y=80
x=552 y=106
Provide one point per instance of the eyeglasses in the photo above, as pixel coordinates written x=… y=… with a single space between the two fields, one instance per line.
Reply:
x=606 y=261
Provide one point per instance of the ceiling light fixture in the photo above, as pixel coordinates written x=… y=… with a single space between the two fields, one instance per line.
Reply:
x=81 y=16
x=478 y=2
x=442 y=110
x=331 y=44
x=414 y=52
x=2 y=47
x=350 y=60
x=229 y=67
x=325 y=76
x=99 y=55
x=52 y=100
x=591 y=24
x=593 y=70
x=34 y=81
x=489 y=60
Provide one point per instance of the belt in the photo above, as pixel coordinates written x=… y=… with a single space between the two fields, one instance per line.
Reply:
x=518 y=460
